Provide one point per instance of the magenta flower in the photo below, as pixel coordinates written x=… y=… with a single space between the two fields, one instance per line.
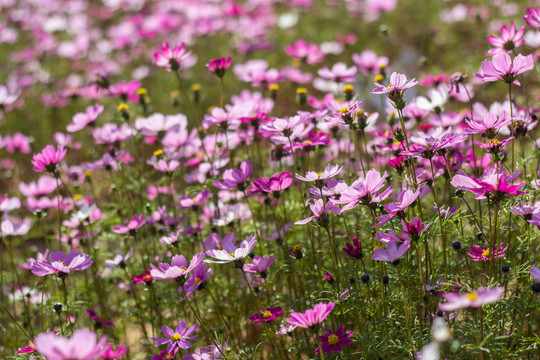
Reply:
x=415 y=228
x=196 y=280
x=92 y=315
x=320 y=212
x=354 y=250
x=177 y=338
x=394 y=90
x=287 y=127
x=109 y=353
x=275 y=184
x=80 y=120
x=178 y=269
x=307 y=53
x=320 y=178
x=61 y=264
x=392 y=253
x=267 y=315
x=83 y=345
x=145 y=277
x=171 y=59
x=335 y=341
x=199 y=198
x=486 y=254
x=311 y=317
x=48 y=159
x=475 y=299
x=494 y=146
x=126 y=91
x=130 y=226
x=219 y=66
x=231 y=253
x=235 y=178
x=432 y=146
x=509 y=40
x=492 y=185
x=489 y=126
x=532 y=18
x=502 y=68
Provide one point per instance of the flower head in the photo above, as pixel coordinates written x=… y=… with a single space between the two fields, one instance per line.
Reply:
x=396 y=88
x=532 y=18
x=83 y=345
x=130 y=226
x=171 y=59
x=219 y=66
x=178 y=269
x=267 y=315
x=177 y=338
x=392 y=253
x=475 y=299
x=486 y=253
x=311 y=317
x=320 y=178
x=61 y=264
x=231 y=253
x=335 y=341
x=509 y=40
x=503 y=68
x=48 y=159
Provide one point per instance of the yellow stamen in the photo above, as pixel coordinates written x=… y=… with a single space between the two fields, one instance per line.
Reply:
x=301 y=90
x=379 y=78
x=344 y=110
x=195 y=87
x=297 y=247
x=472 y=296
x=158 y=153
x=176 y=337
x=333 y=339
x=348 y=89
x=122 y=107
x=273 y=87
x=485 y=253
x=142 y=91
x=77 y=197
x=266 y=314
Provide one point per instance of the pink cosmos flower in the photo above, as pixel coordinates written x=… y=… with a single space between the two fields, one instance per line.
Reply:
x=494 y=146
x=178 y=269
x=193 y=201
x=109 y=353
x=405 y=199
x=83 y=345
x=171 y=59
x=260 y=265
x=492 y=185
x=532 y=18
x=307 y=53
x=335 y=341
x=535 y=273
x=320 y=178
x=311 y=317
x=197 y=279
x=394 y=90
x=475 y=299
x=219 y=66
x=235 y=178
x=287 y=127
x=81 y=120
x=365 y=191
x=158 y=124
x=177 y=338
x=119 y=260
x=17 y=141
x=145 y=277
x=431 y=146
x=130 y=226
x=61 y=264
x=489 y=126
x=48 y=159
x=112 y=133
x=369 y=63
x=126 y=91
x=231 y=253
x=92 y=315
x=275 y=184
x=165 y=166
x=502 y=68
x=267 y=315
x=393 y=252
x=320 y=212
x=339 y=73
x=509 y=40
x=486 y=254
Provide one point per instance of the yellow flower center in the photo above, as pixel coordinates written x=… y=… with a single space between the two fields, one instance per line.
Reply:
x=176 y=337
x=376 y=248
x=389 y=86
x=301 y=90
x=147 y=277
x=344 y=110
x=195 y=87
x=333 y=339
x=379 y=78
x=77 y=197
x=494 y=141
x=472 y=296
x=232 y=254
x=196 y=281
x=220 y=247
x=142 y=91
x=319 y=174
x=266 y=314
x=122 y=107
x=158 y=153
x=348 y=89
x=297 y=247
x=274 y=87
x=485 y=253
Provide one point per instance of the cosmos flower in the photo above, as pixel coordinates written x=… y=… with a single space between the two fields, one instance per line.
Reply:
x=61 y=264
x=275 y=184
x=48 y=159
x=235 y=178
x=219 y=66
x=178 y=269
x=396 y=88
x=320 y=212
x=503 y=68
x=354 y=250
x=475 y=299
x=267 y=315
x=393 y=252
x=509 y=40
x=532 y=18
x=305 y=52
x=311 y=317
x=130 y=226
x=486 y=254
x=232 y=254
x=83 y=345
x=171 y=59
x=177 y=338
x=320 y=178
x=489 y=126
x=81 y=120
x=335 y=341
